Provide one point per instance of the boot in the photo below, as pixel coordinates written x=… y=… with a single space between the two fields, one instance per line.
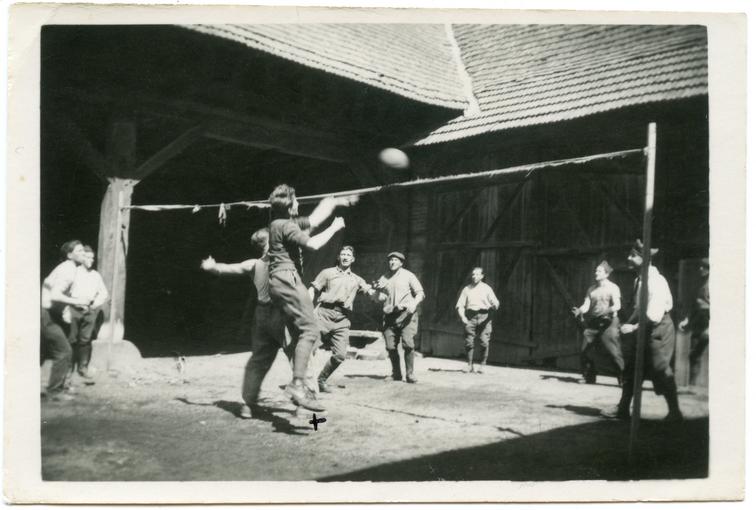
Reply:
x=409 y=362
x=622 y=410
x=396 y=367
x=83 y=355
x=302 y=396
x=330 y=367
x=670 y=395
x=470 y=367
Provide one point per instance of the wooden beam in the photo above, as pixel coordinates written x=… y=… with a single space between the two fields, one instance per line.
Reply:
x=447 y=229
x=77 y=142
x=169 y=151
x=602 y=188
x=366 y=177
x=558 y=284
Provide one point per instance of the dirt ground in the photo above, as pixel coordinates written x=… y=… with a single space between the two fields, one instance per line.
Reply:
x=153 y=423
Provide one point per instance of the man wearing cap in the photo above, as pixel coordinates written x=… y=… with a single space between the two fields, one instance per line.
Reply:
x=698 y=322
x=474 y=306
x=598 y=315
x=660 y=340
x=336 y=287
x=400 y=292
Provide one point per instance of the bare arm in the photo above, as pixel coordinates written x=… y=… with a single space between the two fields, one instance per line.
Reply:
x=326 y=207
x=211 y=266
x=318 y=241
x=311 y=292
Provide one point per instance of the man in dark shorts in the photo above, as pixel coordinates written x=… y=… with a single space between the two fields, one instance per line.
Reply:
x=475 y=305
x=598 y=316
x=400 y=292
x=660 y=341
x=288 y=235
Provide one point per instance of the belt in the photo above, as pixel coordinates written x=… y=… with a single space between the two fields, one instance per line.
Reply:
x=479 y=312
x=339 y=307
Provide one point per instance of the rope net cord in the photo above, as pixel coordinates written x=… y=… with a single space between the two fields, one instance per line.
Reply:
x=526 y=169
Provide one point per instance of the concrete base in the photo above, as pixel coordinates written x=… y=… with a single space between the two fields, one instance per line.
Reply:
x=123 y=355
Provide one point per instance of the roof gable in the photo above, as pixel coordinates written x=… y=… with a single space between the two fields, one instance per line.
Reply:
x=534 y=74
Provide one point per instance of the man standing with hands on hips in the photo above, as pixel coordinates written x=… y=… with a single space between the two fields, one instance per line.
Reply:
x=474 y=306
x=400 y=292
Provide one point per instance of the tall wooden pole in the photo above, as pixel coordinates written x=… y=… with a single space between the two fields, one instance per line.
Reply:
x=648 y=216
x=114 y=281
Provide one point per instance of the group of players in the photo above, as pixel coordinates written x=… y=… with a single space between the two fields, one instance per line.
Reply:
x=321 y=313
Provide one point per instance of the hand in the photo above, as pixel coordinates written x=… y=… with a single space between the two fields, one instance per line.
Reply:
x=628 y=328
x=465 y=321
x=348 y=200
x=411 y=307
x=208 y=264
x=338 y=223
x=575 y=311
x=683 y=324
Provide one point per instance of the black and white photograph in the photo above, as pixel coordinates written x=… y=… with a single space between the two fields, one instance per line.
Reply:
x=398 y=249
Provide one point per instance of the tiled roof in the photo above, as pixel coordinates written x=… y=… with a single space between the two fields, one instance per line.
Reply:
x=415 y=61
x=535 y=74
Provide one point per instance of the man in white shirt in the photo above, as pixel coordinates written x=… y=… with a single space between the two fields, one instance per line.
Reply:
x=660 y=340
x=90 y=288
x=55 y=297
x=474 y=306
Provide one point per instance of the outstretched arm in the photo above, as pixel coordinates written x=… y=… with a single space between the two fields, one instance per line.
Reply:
x=211 y=266
x=318 y=241
x=326 y=207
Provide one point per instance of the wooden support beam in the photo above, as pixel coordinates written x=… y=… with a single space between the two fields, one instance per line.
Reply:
x=447 y=229
x=114 y=226
x=604 y=190
x=77 y=142
x=169 y=151
x=559 y=284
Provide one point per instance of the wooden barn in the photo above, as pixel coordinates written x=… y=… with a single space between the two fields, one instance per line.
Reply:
x=217 y=114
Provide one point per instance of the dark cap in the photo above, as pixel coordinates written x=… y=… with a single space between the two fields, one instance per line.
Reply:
x=396 y=254
x=637 y=249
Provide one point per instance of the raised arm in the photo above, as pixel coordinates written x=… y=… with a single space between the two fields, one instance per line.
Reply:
x=318 y=241
x=326 y=207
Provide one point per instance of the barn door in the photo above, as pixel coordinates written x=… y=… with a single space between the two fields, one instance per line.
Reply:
x=487 y=227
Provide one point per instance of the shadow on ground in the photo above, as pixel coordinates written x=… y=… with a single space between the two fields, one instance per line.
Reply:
x=262 y=413
x=592 y=451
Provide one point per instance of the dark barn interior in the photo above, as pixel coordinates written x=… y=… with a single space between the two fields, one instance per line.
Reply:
x=202 y=119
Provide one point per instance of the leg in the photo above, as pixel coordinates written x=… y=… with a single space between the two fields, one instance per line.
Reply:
x=661 y=346
x=586 y=358
x=610 y=339
x=58 y=349
x=339 y=346
x=485 y=338
x=389 y=335
x=470 y=342
x=264 y=349
x=408 y=343
x=83 y=346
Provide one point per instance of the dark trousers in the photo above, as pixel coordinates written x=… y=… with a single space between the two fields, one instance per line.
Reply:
x=478 y=327
x=290 y=295
x=699 y=325
x=56 y=347
x=267 y=337
x=334 y=332
x=660 y=345
x=607 y=331
x=80 y=335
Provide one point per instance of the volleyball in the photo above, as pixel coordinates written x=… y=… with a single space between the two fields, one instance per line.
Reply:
x=394 y=158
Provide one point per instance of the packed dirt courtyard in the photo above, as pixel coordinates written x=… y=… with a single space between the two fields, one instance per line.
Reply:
x=154 y=423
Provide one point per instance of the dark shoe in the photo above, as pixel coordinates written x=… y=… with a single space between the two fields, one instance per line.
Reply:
x=674 y=417
x=324 y=387
x=411 y=378
x=397 y=377
x=302 y=396
x=245 y=413
x=409 y=363
x=396 y=367
x=616 y=413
